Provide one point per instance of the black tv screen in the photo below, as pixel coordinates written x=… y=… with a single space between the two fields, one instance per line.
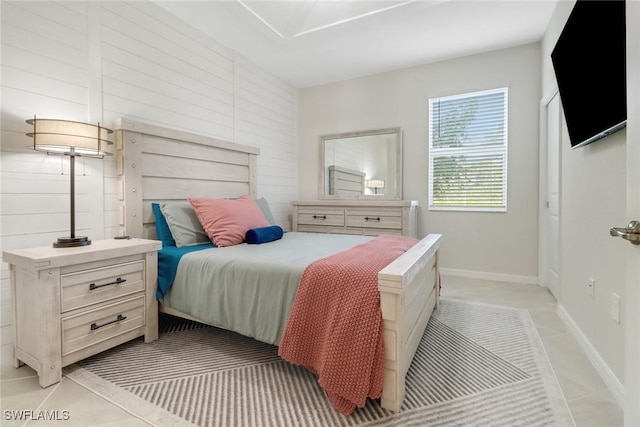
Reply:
x=589 y=60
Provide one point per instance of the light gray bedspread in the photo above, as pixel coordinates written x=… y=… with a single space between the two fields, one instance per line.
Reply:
x=249 y=289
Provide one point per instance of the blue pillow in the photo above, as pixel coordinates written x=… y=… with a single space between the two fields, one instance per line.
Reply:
x=162 y=228
x=264 y=234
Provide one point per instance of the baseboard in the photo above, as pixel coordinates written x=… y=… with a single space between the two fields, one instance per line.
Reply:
x=607 y=375
x=497 y=277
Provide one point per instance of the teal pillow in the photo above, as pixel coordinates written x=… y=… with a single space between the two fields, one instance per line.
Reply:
x=162 y=228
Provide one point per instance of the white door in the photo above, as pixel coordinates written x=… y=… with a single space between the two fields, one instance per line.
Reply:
x=552 y=212
x=632 y=288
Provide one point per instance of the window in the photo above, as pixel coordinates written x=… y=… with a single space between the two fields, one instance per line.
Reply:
x=468 y=152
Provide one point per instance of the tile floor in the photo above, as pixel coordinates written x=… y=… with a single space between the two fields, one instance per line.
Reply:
x=589 y=399
x=591 y=402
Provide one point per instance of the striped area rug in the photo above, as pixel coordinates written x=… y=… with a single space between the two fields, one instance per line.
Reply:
x=477 y=365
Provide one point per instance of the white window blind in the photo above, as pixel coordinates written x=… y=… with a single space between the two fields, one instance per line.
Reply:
x=468 y=151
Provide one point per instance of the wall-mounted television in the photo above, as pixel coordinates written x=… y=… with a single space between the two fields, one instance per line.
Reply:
x=589 y=60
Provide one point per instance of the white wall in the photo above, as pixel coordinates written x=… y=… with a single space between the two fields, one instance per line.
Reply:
x=500 y=244
x=593 y=194
x=98 y=61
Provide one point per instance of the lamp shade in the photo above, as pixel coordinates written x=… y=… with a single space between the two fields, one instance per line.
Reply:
x=64 y=136
x=374 y=183
x=71 y=139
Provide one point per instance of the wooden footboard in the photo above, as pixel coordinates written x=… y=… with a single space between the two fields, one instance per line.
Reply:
x=409 y=292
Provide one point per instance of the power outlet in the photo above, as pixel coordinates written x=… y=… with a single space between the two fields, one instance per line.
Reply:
x=591 y=287
x=615 y=307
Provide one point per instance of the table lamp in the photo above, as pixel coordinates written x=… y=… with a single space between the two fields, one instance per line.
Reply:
x=73 y=139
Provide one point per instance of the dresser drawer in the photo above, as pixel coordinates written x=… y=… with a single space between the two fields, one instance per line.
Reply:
x=102 y=323
x=88 y=287
x=313 y=229
x=321 y=216
x=374 y=218
x=378 y=231
x=330 y=230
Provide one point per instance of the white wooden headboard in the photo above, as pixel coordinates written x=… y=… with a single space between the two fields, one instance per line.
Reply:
x=345 y=182
x=157 y=164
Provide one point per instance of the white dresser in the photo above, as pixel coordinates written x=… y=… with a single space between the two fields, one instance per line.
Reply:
x=71 y=303
x=367 y=217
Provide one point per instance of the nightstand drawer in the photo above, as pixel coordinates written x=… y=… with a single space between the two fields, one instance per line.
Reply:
x=91 y=327
x=374 y=218
x=88 y=287
x=332 y=217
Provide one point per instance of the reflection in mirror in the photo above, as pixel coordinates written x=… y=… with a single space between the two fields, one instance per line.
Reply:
x=362 y=165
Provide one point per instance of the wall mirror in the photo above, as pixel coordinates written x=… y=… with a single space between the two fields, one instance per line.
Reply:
x=361 y=165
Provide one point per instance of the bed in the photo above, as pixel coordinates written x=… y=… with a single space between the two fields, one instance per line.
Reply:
x=159 y=165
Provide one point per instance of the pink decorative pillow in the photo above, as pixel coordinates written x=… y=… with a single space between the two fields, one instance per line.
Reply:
x=226 y=221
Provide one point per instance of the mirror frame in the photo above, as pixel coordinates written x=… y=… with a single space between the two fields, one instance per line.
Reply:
x=397 y=131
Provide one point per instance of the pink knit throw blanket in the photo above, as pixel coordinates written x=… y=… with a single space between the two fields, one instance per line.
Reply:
x=335 y=325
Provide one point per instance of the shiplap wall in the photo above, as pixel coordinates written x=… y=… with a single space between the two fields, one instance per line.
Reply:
x=98 y=61
x=266 y=112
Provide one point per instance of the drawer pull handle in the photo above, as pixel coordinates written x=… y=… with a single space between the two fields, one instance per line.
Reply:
x=120 y=318
x=370 y=218
x=116 y=282
x=319 y=217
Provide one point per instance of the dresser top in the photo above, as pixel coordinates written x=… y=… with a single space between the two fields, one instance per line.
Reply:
x=357 y=203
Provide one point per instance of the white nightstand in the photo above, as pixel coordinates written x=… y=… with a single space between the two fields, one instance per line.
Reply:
x=71 y=303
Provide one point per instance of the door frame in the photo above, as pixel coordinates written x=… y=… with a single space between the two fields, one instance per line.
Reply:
x=632 y=288
x=543 y=228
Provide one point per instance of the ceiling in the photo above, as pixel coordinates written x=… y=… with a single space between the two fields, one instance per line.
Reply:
x=309 y=43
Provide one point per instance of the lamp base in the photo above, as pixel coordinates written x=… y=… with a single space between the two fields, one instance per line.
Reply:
x=70 y=242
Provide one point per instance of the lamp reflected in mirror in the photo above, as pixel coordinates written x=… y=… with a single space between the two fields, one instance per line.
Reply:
x=73 y=139
x=375 y=184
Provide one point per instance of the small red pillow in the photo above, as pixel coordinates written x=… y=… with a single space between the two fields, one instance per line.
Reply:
x=226 y=221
